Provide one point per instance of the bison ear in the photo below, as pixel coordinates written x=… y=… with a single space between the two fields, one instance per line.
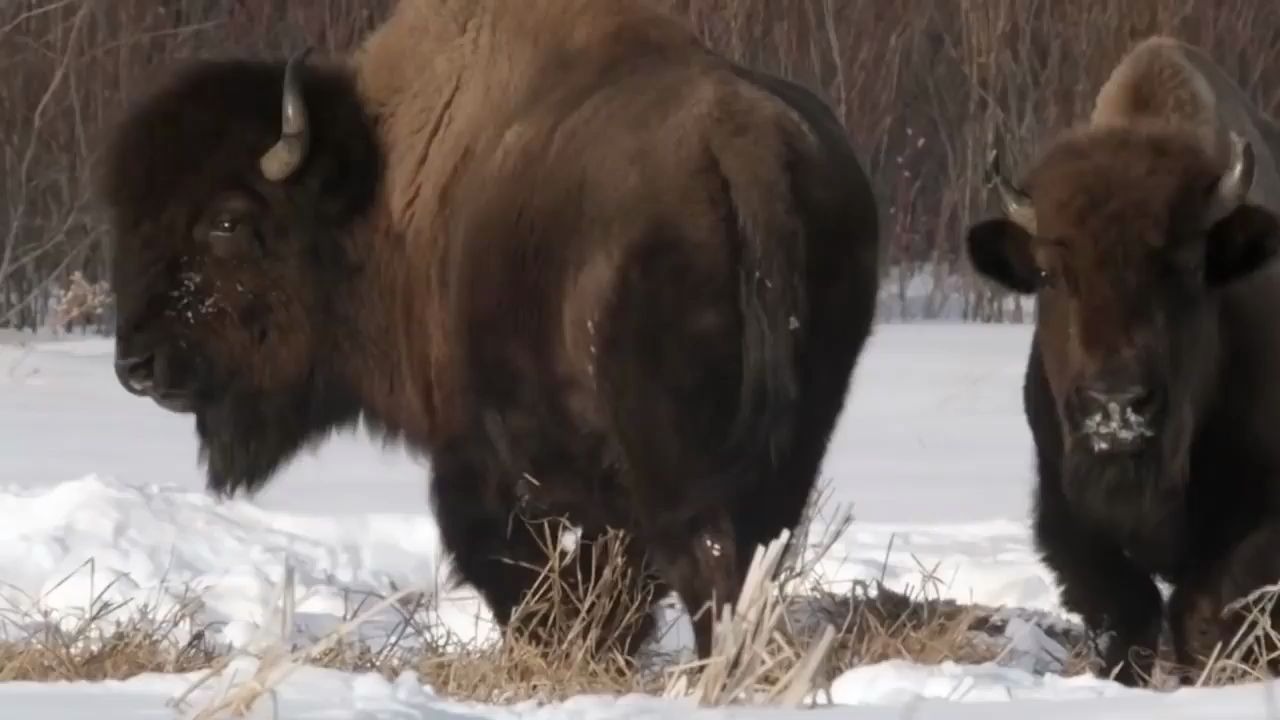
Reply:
x=1000 y=250
x=1239 y=244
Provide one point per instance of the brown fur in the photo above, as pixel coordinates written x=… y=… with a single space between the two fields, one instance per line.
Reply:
x=1135 y=291
x=1162 y=78
x=592 y=269
x=418 y=73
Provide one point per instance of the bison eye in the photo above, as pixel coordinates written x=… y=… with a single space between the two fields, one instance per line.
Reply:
x=225 y=226
x=230 y=236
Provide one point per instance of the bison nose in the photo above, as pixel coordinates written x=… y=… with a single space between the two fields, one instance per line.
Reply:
x=1130 y=397
x=1116 y=418
x=136 y=373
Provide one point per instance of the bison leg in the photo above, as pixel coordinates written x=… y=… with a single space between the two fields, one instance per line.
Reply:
x=505 y=556
x=1107 y=590
x=1195 y=623
x=488 y=551
x=600 y=589
x=1200 y=612
x=700 y=562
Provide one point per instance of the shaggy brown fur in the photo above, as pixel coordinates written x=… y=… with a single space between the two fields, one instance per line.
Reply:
x=585 y=265
x=1148 y=387
x=1163 y=78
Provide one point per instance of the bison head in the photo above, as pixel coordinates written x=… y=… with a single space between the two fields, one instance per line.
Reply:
x=231 y=192
x=1128 y=237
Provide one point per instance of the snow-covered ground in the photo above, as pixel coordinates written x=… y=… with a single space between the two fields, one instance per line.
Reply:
x=101 y=498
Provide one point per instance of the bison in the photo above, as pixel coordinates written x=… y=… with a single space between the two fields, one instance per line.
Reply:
x=586 y=266
x=1147 y=235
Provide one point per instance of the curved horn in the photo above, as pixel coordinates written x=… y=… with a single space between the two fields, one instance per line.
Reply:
x=1013 y=200
x=290 y=150
x=1233 y=186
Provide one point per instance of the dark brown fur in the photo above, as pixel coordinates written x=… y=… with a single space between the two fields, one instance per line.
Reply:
x=1133 y=288
x=632 y=292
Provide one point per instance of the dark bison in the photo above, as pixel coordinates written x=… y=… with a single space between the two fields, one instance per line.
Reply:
x=1151 y=390
x=585 y=265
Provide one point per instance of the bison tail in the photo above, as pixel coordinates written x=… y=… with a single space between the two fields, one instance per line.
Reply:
x=769 y=243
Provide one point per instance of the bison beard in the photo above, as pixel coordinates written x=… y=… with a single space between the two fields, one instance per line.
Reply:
x=245 y=435
x=1136 y=501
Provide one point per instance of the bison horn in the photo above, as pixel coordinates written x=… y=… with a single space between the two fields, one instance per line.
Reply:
x=290 y=150
x=1013 y=200
x=1233 y=187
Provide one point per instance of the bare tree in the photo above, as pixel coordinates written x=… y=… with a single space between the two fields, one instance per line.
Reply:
x=924 y=88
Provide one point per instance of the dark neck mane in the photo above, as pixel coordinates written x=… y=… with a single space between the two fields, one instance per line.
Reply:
x=370 y=334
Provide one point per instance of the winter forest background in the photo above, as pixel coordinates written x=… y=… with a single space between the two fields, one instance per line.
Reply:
x=923 y=86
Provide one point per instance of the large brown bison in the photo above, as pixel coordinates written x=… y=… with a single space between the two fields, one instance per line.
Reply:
x=1148 y=236
x=585 y=265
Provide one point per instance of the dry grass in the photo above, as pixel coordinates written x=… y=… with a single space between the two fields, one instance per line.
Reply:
x=109 y=641
x=787 y=639
x=783 y=643
x=587 y=613
x=874 y=623
x=1256 y=645
x=81 y=301
x=140 y=644
x=1244 y=657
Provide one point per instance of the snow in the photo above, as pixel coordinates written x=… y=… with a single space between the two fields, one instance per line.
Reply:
x=889 y=691
x=101 y=498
